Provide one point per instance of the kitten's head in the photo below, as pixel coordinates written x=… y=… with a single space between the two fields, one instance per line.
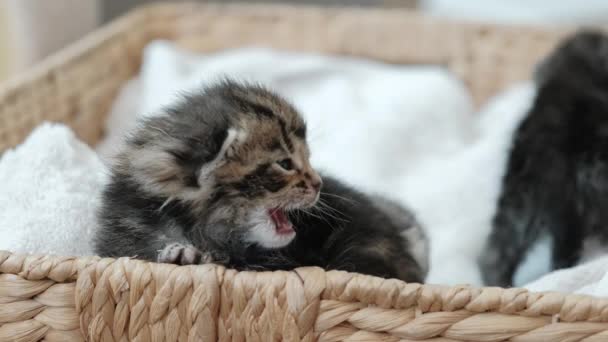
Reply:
x=236 y=154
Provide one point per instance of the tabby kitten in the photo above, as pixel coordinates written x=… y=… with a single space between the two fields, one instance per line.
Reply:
x=223 y=176
x=556 y=182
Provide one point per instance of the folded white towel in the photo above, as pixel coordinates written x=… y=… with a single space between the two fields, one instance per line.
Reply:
x=51 y=188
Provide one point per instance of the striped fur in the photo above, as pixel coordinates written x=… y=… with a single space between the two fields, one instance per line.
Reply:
x=200 y=181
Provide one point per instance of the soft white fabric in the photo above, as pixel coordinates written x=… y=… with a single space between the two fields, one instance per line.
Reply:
x=590 y=278
x=456 y=195
x=50 y=194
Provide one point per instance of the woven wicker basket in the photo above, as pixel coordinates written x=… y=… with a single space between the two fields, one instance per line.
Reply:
x=67 y=298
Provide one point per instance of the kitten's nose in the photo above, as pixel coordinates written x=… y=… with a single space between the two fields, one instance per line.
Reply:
x=316 y=182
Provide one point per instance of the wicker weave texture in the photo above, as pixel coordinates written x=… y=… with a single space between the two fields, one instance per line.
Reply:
x=65 y=299
x=72 y=299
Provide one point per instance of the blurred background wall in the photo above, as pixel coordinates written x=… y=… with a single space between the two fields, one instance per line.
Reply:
x=4 y=42
x=33 y=29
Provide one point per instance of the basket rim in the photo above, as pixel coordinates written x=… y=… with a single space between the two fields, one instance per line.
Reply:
x=142 y=13
x=343 y=286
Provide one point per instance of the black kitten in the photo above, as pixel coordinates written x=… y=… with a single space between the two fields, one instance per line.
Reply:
x=556 y=183
x=224 y=176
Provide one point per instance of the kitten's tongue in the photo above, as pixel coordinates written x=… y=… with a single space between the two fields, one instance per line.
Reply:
x=282 y=224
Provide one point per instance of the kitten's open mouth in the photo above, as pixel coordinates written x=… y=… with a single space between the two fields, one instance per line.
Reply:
x=281 y=223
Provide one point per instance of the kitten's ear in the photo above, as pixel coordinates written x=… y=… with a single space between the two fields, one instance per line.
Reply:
x=234 y=138
x=155 y=167
x=163 y=167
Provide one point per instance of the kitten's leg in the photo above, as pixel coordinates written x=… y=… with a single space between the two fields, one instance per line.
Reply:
x=160 y=243
x=182 y=254
x=186 y=254
x=505 y=247
x=171 y=247
x=497 y=263
x=582 y=228
x=566 y=249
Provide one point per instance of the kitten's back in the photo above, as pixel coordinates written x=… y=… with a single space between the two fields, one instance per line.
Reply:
x=556 y=180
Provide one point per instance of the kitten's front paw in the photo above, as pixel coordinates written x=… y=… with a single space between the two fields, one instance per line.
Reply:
x=179 y=254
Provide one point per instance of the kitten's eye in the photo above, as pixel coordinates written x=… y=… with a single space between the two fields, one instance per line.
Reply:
x=286 y=164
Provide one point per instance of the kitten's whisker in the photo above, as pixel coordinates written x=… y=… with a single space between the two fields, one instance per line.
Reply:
x=327 y=212
x=333 y=216
x=349 y=200
x=324 y=219
x=327 y=209
x=323 y=203
x=169 y=200
x=309 y=212
x=327 y=205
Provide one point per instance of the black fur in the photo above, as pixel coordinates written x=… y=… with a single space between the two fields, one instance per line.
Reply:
x=556 y=181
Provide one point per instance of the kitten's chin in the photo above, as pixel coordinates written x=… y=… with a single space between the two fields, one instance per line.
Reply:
x=270 y=229
x=268 y=236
